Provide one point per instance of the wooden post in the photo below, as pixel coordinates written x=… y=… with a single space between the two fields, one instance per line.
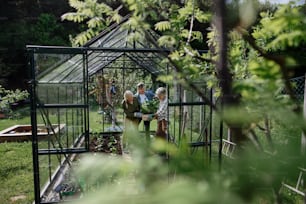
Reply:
x=228 y=134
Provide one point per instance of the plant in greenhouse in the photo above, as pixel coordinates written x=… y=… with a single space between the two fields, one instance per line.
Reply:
x=111 y=144
x=150 y=106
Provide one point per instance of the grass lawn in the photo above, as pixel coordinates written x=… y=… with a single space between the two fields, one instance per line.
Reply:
x=16 y=173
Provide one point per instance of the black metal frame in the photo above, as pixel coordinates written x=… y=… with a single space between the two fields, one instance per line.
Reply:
x=44 y=108
x=136 y=54
x=204 y=140
x=37 y=105
x=205 y=134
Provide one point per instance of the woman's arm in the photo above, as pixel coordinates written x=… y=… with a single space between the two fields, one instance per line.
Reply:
x=131 y=109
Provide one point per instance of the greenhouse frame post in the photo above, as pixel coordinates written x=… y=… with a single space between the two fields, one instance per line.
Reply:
x=303 y=137
x=211 y=123
x=34 y=128
x=86 y=101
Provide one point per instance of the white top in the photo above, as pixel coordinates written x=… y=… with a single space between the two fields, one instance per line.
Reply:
x=162 y=110
x=143 y=98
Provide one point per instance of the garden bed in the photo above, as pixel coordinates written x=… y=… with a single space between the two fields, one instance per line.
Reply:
x=19 y=133
x=64 y=186
x=106 y=142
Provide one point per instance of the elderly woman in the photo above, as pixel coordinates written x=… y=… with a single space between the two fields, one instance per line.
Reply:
x=162 y=113
x=131 y=108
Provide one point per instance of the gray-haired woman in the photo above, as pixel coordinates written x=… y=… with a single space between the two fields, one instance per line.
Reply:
x=131 y=108
x=162 y=113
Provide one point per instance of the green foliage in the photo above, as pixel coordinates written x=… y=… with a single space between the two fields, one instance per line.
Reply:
x=163 y=26
x=9 y=96
x=47 y=31
x=177 y=21
x=283 y=29
x=97 y=17
x=100 y=143
x=147 y=178
x=150 y=106
x=259 y=78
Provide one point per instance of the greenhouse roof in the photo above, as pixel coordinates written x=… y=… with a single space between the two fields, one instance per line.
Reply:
x=113 y=45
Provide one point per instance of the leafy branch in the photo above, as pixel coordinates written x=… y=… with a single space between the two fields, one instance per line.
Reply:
x=96 y=16
x=178 y=69
x=280 y=60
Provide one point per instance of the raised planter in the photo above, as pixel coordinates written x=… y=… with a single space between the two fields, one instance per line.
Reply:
x=19 y=133
x=106 y=142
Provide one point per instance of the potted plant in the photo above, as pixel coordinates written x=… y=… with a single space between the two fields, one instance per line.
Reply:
x=148 y=108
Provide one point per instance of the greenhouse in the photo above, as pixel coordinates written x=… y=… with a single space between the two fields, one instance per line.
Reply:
x=76 y=94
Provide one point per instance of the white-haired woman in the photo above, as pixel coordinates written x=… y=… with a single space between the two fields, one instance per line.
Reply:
x=162 y=113
x=131 y=108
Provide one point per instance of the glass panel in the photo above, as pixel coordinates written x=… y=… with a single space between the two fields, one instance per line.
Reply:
x=56 y=68
x=60 y=93
x=67 y=127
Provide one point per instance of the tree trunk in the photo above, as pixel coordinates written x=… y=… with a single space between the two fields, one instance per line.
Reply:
x=228 y=99
x=225 y=78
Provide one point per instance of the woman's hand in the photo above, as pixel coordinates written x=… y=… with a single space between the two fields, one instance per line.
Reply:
x=155 y=116
x=138 y=114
